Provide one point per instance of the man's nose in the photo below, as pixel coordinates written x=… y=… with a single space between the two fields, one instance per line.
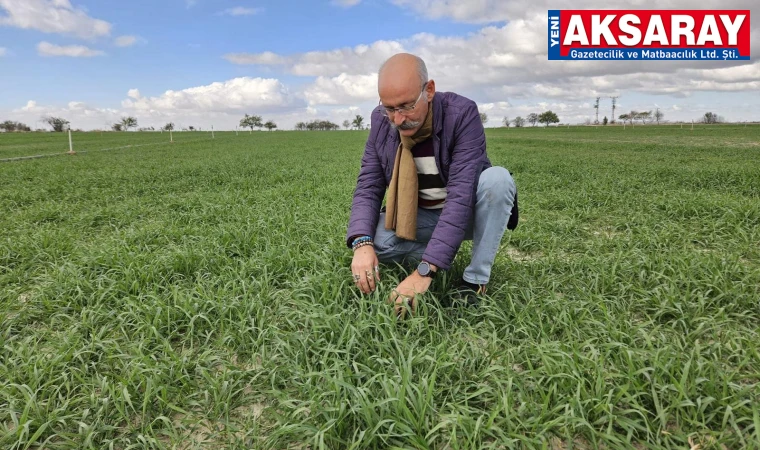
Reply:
x=398 y=119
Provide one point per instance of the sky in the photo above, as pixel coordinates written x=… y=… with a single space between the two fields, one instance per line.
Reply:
x=207 y=63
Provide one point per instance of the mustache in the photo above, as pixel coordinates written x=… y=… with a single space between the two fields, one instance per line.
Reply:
x=407 y=125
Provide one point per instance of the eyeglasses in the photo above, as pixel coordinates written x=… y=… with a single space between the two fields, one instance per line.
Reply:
x=405 y=110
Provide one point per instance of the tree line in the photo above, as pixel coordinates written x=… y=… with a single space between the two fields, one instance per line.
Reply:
x=546 y=117
x=59 y=124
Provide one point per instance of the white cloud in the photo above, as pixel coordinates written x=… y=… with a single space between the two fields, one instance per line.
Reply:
x=238 y=94
x=52 y=16
x=240 y=11
x=341 y=90
x=346 y=3
x=73 y=51
x=125 y=41
x=361 y=59
x=31 y=105
x=266 y=58
x=79 y=114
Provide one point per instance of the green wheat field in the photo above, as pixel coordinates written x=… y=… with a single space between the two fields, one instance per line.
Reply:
x=198 y=295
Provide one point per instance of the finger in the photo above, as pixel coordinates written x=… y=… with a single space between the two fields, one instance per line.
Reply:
x=364 y=284
x=370 y=276
x=377 y=271
x=358 y=281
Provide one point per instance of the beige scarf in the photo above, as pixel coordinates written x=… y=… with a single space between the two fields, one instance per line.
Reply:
x=401 y=205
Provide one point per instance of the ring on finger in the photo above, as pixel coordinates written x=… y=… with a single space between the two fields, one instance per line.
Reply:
x=357 y=277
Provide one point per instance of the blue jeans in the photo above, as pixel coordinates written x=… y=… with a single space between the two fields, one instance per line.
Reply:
x=495 y=196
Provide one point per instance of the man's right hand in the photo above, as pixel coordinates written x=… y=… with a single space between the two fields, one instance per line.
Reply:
x=365 y=268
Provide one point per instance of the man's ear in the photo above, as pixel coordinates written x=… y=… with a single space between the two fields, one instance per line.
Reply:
x=430 y=89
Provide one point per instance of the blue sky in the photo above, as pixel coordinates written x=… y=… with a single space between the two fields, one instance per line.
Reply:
x=294 y=60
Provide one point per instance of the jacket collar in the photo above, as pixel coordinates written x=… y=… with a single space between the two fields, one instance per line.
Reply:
x=437 y=113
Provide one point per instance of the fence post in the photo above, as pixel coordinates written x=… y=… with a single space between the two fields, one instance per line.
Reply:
x=71 y=145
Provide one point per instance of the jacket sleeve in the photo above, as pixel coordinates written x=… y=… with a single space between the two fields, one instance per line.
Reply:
x=370 y=189
x=467 y=159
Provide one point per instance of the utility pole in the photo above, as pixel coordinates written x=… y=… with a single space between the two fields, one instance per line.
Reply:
x=614 y=102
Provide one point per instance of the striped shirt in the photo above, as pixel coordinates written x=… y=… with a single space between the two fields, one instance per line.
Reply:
x=432 y=190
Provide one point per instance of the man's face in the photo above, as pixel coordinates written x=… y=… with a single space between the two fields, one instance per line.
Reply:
x=406 y=102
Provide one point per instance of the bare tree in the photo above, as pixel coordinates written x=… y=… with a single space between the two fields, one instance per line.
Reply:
x=346 y=124
x=57 y=123
x=128 y=122
x=506 y=121
x=519 y=122
x=658 y=115
x=533 y=119
x=483 y=118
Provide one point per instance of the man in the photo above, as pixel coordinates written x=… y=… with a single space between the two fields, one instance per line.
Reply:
x=429 y=150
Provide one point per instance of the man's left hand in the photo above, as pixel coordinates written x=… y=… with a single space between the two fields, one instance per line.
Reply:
x=406 y=290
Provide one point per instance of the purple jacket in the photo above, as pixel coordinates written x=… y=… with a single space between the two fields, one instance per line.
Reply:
x=459 y=143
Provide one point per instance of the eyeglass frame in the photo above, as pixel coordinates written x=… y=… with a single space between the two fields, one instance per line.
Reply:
x=403 y=110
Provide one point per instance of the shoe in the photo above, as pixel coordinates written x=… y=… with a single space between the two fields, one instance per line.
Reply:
x=469 y=293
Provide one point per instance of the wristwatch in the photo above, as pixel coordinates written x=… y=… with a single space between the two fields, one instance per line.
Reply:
x=425 y=270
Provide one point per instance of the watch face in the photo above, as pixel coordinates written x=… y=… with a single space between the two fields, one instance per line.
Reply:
x=424 y=269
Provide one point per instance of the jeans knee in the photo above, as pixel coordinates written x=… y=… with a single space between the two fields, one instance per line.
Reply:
x=498 y=183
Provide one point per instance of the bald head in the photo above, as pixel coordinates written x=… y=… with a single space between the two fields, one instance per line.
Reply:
x=402 y=71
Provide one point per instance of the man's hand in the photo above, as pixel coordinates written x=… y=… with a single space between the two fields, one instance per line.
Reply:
x=404 y=293
x=365 y=268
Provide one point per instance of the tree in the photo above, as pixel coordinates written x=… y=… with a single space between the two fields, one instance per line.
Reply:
x=57 y=123
x=11 y=126
x=170 y=126
x=711 y=117
x=658 y=115
x=624 y=117
x=318 y=125
x=533 y=118
x=358 y=121
x=548 y=117
x=116 y=126
x=505 y=121
x=270 y=125
x=251 y=121
x=191 y=128
x=605 y=121
x=483 y=118
x=346 y=124
x=519 y=122
x=644 y=116
x=128 y=122
x=301 y=126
